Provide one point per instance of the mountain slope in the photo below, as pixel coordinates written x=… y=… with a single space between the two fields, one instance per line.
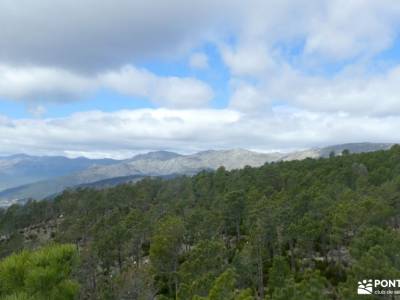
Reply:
x=150 y=164
x=337 y=150
x=164 y=163
x=23 y=169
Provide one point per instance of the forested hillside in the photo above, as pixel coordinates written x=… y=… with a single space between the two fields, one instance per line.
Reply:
x=307 y=229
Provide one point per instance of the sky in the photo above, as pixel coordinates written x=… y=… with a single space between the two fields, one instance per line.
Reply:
x=113 y=78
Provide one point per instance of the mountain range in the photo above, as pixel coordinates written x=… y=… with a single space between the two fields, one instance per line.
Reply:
x=21 y=169
x=23 y=177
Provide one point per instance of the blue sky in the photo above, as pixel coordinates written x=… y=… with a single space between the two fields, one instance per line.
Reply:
x=134 y=77
x=105 y=99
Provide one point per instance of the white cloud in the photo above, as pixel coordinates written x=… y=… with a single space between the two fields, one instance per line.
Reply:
x=277 y=51
x=250 y=59
x=355 y=91
x=182 y=92
x=37 y=84
x=333 y=29
x=119 y=132
x=37 y=111
x=118 y=32
x=40 y=83
x=175 y=92
x=362 y=94
x=198 y=60
x=130 y=81
x=358 y=88
x=96 y=35
x=344 y=29
x=126 y=132
x=249 y=98
x=37 y=62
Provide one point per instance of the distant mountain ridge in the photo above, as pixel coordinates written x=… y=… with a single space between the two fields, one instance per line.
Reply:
x=83 y=172
x=19 y=169
x=337 y=150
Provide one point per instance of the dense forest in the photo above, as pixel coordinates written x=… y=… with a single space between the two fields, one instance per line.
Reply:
x=307 y=229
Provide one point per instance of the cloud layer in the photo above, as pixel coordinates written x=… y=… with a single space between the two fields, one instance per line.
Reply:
x=119 y=31
x=50 y=84
x=295 y=73
x=96 y=35
x=122 y=133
